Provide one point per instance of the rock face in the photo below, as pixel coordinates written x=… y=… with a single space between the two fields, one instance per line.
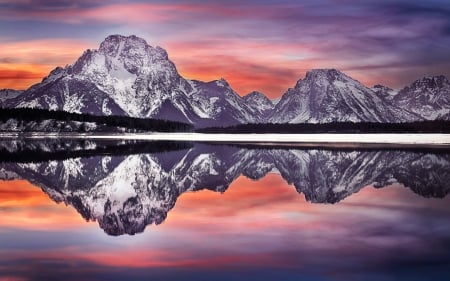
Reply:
x=259 y=103
x=384 y=92
x=126 y=76
x=125 y=193
x=7 y=94
x=328 y=95
x=428 y=97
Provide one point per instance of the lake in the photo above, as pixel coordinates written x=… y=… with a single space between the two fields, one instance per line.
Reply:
x=81 y=209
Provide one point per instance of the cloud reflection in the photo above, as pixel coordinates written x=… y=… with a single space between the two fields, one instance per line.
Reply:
x=24 y=206
x=226 y=235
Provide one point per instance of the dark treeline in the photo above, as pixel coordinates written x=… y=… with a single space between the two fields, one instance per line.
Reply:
x=32 y=114
x=438 y=126
x=29 y=152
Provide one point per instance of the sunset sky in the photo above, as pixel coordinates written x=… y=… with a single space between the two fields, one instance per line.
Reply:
x=255 y=45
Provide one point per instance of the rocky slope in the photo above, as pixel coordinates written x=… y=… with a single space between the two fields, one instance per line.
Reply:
x=260 y=103
x=126 y=76
x=428 y=97
x=6 y=94
x=328 y=95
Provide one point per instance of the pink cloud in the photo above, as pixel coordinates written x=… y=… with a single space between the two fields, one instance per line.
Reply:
x=28 y=207
x=129 y=13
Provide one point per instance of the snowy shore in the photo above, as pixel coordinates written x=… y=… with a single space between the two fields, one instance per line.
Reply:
x=407 y=139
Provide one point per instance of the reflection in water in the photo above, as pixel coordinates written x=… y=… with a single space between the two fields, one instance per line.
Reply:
x=249 y=218
x=125 y=193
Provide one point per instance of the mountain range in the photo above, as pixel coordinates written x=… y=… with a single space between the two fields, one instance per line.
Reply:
x=127 y=76
x=125 y=193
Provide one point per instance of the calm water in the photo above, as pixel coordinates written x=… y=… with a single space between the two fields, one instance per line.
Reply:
x=83 y=210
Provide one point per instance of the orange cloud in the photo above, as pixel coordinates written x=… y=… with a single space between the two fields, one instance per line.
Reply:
x=25 y=63
x=22 y=76
x=270 y=195
x=247 y=65
x=129 y=13
x=26 y=206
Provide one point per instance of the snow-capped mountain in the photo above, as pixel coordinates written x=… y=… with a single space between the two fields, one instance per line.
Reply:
x=428 y=97
x=259 y=103
x=216 y=100
x=127 y=193
x=384 y=92
x=328 y=95
x=126 y=76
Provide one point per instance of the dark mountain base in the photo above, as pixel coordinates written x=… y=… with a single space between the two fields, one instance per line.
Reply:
x=340 y=127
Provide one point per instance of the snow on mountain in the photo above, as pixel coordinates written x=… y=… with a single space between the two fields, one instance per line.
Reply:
x=259 y=103
x=137 y=76
x=384 y=92
x=275 y=100
x=6 y=94
x=428 y=97
x=218 y=101
x=126 y=76
x=328 y=95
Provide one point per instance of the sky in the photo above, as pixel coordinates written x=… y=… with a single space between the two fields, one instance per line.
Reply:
x=255 y=45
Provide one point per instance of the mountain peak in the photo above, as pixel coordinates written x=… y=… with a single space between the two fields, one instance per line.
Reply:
x=428 y=97
x=384 y=91
x=222 y=82
x=126 y=75
x=259 y=102
x=112 y=43
x=257 y=97
x=431 y=82
x=324 y=74
x=329 y=72
x=254 y=94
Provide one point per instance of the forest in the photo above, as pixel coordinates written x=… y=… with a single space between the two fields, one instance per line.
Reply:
x=438 y=126
x=146 y=125
x=139 y=124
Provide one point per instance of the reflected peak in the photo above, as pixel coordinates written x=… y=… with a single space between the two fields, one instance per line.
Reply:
x=127 y=193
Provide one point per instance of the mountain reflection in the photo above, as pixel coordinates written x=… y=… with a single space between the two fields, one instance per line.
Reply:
x=126 y=186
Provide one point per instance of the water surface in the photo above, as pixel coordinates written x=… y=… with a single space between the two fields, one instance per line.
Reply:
x=85 y=210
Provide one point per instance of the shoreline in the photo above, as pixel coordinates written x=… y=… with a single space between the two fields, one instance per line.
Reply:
x=394 y=139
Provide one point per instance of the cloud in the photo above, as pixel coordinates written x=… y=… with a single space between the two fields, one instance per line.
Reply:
x=391 y=42
x=24 y=63
x=28 y=208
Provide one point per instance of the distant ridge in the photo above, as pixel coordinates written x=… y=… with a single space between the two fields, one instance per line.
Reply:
x=128 y=77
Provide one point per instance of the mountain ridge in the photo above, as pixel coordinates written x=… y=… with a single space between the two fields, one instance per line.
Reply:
x=127 y=76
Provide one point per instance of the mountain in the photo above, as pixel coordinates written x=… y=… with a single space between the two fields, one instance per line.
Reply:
x=127 y=76
x=328 y=95
x=384 y=92
x=125 y=193
x=428 y=97
x=218 y=101
x=259 y=103
x=6 y=94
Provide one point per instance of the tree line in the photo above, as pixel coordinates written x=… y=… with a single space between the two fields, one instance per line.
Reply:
x=141 y=124
x=438 y=126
